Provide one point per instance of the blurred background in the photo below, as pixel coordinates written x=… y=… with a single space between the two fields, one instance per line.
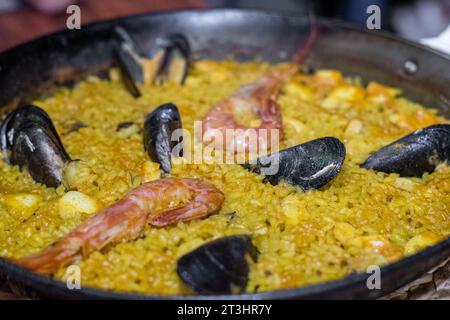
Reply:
x=22 y=20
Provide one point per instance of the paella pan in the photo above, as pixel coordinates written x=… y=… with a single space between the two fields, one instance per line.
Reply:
x=90 y=178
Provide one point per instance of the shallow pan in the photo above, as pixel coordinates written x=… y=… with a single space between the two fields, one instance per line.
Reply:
x=32 y=69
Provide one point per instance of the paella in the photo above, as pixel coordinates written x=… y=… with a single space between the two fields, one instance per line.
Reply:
x=93 y=176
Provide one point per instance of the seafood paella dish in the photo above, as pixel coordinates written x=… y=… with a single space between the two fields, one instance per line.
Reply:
x=167 y=175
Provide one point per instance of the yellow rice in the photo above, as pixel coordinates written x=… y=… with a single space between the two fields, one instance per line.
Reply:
x=359 y=219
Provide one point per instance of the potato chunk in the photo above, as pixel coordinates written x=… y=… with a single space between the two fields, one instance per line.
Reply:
x=23 y=205
x=74 y=203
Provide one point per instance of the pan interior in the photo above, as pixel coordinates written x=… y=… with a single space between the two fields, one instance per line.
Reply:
x=247 y=71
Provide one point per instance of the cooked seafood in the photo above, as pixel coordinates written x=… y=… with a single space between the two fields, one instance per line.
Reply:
x=126 y=219
x=158 y=130
x=218 y=267
x=124 y=125
x=170 y=62
x=29 y=139
x=310 y=165
x=258 y=97
x=414 y=154
x=73 y=126
x=172 y=59
x=129 y=62
x=359 y=218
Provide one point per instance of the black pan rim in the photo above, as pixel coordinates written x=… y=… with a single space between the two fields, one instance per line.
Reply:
x=27 y=277
x=273 y=13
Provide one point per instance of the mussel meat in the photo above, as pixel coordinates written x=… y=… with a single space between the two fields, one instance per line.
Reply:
x=310 y=165
x=218 y=267
x=159 y=136
x=172 y=58
x=29 y=139
x=129 y=61
x=414 y=154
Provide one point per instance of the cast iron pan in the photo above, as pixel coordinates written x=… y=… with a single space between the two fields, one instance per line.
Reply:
x=424 y=75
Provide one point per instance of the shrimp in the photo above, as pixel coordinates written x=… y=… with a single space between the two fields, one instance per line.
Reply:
x=127 y=218
x=258 y=97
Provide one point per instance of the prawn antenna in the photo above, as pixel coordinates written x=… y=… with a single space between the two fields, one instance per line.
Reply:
x=303 y=53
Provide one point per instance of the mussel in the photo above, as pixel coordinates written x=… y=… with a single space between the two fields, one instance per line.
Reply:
x=218 y=267
x=29 y=139
x=414 y=154
x=159 y=135
x=129 y=61
x=171 y=59
x=310 y=165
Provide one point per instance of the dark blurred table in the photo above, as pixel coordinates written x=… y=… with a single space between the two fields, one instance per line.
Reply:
x=26 y=24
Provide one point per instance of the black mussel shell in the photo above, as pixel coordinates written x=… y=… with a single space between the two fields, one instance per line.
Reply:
x=33 y=143
x=414 y=154
x=158 y=129
x=218 y=267
x=310 y=165
x=129 y=61
x=174 y=59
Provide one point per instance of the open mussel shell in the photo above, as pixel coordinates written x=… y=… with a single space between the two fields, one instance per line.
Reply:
x=129 y=61
x=310 y=165
x=29 y=140
x=414 y=154
x=160 y=137
x=218 y=267
x=172 y=58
